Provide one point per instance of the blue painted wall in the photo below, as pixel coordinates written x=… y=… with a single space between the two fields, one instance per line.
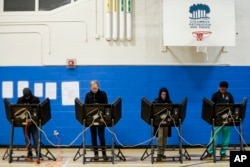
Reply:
x=132 y=83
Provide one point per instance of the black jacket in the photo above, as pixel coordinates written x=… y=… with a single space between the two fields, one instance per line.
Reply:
x=32 y=100
x=98 y=97
x=219 y=98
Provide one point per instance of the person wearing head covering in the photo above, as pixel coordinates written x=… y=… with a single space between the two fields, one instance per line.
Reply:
x=163 y=132
x=221 y=96
x=30 y=130
x=97 y=96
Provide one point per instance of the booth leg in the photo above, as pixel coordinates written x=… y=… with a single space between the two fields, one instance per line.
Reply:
x=6 y=154
x=180 y=129
x=11 y=142
x=146 y=154
x=113 y=140
x=119 y=154
x=46 y=155
x=84 y=144
x=38 y=149
x=152 y=144
x=213 y=142
x=241 y=142
x=205 y=152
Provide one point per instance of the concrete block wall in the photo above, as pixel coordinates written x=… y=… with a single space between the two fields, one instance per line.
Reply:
x=131 y=83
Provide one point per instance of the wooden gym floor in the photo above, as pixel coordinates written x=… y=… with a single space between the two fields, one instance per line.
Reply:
x=65 y=158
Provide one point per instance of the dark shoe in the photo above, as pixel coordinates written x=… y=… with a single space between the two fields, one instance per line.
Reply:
x=29 y=158
x=223 y=157
x=208 y=157
x=105 y=158
x=164 y=157
x=96 y=157
x=29 y=154
x=159 y=157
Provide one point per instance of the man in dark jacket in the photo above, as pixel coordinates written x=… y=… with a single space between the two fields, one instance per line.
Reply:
x=221 y=96
x=163 y=132
x=30 y=130
x=96 y=96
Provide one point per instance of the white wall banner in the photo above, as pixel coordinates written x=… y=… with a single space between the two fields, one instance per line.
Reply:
x=38 y=89
x=7 y=89
x=70 y=90
x=50 y=90
x=186 y=22
x=20 y=86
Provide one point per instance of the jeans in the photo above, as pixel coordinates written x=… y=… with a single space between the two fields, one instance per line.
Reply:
x=100 y=130
x=28 y=132
x=162 y=139
x=225 y=132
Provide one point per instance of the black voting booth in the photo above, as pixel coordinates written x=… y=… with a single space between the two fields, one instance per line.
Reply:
x=98 y=115
x=223 y=114
x=163 y=114
x=20 y=115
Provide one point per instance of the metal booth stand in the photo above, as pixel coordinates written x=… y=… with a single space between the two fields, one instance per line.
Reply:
x=222 y=115
x=160 y=115
x=98 y=115
x=21 y=115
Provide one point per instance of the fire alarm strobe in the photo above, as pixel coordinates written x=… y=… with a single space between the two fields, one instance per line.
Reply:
x=71 y=63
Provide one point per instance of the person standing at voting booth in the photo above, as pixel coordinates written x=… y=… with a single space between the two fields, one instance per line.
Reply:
x=97 y=96
x=221 y=96
x=29 y=130
x=163 y=132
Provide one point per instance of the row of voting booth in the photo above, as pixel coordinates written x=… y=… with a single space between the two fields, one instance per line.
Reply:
x=154 y=114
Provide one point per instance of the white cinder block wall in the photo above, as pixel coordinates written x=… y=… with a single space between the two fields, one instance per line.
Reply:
x=77 y=31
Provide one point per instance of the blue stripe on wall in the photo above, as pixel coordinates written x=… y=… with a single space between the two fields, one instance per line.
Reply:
x=132 y=83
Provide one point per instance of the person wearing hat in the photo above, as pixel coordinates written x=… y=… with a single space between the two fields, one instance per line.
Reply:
x=30 y=130
x=221 y=96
